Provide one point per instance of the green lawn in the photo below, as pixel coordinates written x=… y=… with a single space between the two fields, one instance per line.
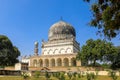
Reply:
x=52 y=78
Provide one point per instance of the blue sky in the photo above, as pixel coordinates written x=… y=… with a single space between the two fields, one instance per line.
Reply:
x=27 y=21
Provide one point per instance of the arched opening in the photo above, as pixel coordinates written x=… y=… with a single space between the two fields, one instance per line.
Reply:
x=35 y=63
x=52 y=62
x=41 y=63
x=66 y=62
x=46 y=63
x=59 y=62
x=73 y=62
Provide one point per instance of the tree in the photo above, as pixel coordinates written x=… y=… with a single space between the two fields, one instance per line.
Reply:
x=116 y=59
x=8 y=52
x=95 y=50
x=106 y=16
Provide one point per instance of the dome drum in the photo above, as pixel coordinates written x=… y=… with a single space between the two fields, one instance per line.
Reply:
x=60 y=37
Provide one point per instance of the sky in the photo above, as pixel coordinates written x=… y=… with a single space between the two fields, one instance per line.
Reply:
x=27 y=21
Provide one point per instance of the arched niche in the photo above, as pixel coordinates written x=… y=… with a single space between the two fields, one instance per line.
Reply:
x=56 y=51
x=45 y=52
x=69 y=50
x=50 y=51
x=62 y=51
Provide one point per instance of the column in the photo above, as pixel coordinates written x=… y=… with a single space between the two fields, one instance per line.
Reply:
x=78 y=63
x=50 y=63
x=56 y=63
x=69 y=61
x=62 y=62
x=44 y=63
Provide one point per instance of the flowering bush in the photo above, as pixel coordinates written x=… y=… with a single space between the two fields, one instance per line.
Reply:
x=25 y=75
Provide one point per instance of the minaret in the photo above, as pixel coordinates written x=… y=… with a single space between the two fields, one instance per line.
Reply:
x=36 y=49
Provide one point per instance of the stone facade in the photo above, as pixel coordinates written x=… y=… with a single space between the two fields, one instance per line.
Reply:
x=59 y=51
x=53 y=60
x=67 y=46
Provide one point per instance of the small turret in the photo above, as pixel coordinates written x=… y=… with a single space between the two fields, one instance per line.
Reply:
x=36 y=48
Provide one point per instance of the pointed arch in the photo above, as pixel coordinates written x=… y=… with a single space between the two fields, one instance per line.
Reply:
x=59 y=62
x=52 y=62
x=35 y=63
x=46 y=63
x=73 y=62
x=40 y=63
x=66 y=61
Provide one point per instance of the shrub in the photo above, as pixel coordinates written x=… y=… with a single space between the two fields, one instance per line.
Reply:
x=119 y=72
x=37 y=74
x=74 y=74
x=80 y=75
x=59 y=75
x=113 y=75
x=47 y=75
x=91 y=76
x=62 y=77
x=25 y=75
x=69 y=75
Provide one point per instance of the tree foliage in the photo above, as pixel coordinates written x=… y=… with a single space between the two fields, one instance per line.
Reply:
x=8 y=52
x=95 y=50
x=116 y=59
x=106 y=16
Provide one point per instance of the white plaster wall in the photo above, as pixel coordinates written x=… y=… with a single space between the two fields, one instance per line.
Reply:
x=58 y=50
x=17 y=66
x=60 y=47
x=26 y=60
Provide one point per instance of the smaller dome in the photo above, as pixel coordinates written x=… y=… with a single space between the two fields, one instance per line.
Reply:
x=61 y=30
x=36 y=44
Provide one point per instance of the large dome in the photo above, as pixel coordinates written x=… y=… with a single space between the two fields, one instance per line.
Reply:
x=61 y=30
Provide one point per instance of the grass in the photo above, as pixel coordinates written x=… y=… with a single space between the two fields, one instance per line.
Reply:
x=52 y=78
